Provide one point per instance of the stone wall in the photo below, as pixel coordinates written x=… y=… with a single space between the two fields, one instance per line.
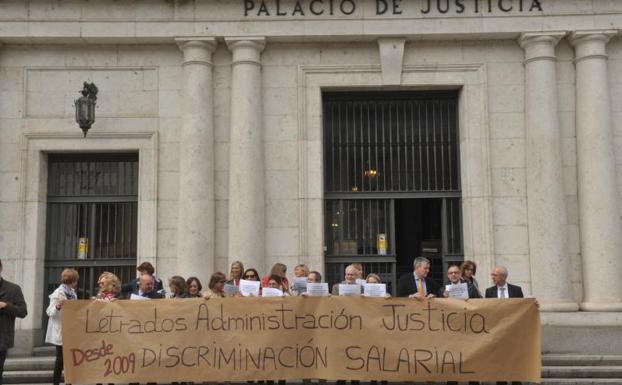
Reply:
x=129 y=51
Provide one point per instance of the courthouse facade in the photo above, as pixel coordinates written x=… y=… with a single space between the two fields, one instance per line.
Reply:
x=322 y=132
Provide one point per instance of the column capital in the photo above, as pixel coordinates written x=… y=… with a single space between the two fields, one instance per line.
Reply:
x=540 y=45
x=197 y=50
x=246 y=49
x=591 y=43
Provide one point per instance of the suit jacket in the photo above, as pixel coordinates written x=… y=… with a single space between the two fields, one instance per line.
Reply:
x=473 y=292
x=513 y=292
x=151 y=295
x=406 y=285
x=132 y=286
x=15 y=307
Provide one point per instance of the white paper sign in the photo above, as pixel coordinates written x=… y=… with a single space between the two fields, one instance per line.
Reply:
x=360 y=281
x=375 y=289
x=345 y=289
x=249 y=288
x=230 y=289
x=137 y=297
x=271 y=292
x=459 y=290
x=300 y=284
x=319 y=289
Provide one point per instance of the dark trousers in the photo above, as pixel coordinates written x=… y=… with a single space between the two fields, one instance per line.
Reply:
x=505 y=383
x=2 y=359
x=58 y=365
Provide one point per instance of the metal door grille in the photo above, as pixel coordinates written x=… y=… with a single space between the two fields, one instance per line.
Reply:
x=397 y=142
x=354 y=225
x=379 y=147
x=92 y=198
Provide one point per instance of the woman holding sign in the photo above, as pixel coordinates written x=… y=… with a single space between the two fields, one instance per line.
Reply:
x=65 y=292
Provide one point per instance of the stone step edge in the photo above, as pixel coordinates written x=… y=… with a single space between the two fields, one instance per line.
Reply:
x=580 y=359
x=581 y=381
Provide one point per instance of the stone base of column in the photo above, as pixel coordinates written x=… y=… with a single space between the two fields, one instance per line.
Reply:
x=558 y=306
x=601 y=306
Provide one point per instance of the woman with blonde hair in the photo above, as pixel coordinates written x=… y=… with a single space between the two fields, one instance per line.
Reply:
x=301 y=271
x=235 y=272
x=65 y=292
x=109 y=286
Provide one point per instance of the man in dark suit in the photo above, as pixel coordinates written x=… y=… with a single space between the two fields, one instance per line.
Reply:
x=12 y=305
x=143 y=268
x=454 y=276
x=502 y=289
x=417 y=284
x=146 y=288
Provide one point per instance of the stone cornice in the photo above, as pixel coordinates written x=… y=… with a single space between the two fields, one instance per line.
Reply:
x=491 y=27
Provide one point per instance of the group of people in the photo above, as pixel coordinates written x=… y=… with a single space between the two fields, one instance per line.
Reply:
x=416 y=285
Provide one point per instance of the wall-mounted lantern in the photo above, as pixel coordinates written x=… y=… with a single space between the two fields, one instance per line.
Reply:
x=85 y=107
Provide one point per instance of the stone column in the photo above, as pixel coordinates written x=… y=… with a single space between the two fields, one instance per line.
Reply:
x=246 y=157
x=196 y=223
x=546 y=208
x=601 y=232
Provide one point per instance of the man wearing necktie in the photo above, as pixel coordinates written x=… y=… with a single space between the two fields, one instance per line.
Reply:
x=502 y=289
x=146 y=288
x=417 y=284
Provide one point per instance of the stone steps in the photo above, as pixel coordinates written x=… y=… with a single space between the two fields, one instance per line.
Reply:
x=584 y=360
x=27 y=376
x=590 y=371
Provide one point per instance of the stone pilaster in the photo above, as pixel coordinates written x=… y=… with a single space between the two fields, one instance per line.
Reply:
x=546 y=208
x=246 y=155
x=196 y=223
x=601 y=232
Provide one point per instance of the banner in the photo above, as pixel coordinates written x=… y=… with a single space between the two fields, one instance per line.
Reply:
x=334 y=338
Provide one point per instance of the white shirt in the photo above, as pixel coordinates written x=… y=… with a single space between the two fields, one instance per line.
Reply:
x=505 y=293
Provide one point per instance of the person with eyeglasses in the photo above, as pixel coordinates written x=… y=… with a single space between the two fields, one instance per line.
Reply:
x=109 y=287
x=502 y=289
x=467 y=271
x=454 y=277
x=216 y=287
x=251 y=275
